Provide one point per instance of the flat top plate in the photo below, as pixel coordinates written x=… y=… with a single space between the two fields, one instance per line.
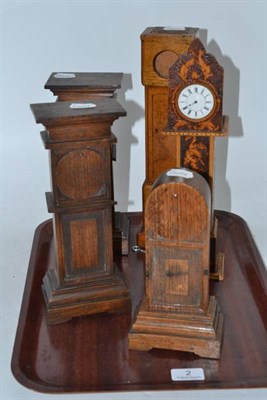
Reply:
x=169 y=30
x=49 y=112
x=104 y=80
x=91 y=354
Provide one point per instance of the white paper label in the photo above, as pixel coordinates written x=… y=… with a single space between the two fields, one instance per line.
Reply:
x=82 y=105
x=174 y=28
x=187 y=374
x=182 y=173
x=64 y=75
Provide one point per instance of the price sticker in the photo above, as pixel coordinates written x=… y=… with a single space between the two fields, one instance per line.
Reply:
x=64 y=75
x=187 y=374
x=78 y=106
x=174 y=28
x=182 y=173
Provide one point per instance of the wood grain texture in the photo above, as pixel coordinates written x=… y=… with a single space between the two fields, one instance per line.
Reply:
x=161 y=151
x=195 y=66
x=83 y=278
x=196 y=137
x=159 y=48
x=91 y=354
x=176 y=309
x=163 y=61
x=84 y=256
x=156 y=40
x=85 y=85
x=59 y=119
x=86 y=173
x=87 y=244
x=61 y=112
x=83 y=283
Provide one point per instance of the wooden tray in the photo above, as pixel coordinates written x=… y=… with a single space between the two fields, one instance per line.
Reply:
x=90 y=354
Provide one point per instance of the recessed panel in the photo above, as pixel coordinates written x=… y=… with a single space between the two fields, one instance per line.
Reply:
x=81 y=174
x=170 y=284
x=88 y=244
x=163 y=61
x=177 y=272
x=84 y=245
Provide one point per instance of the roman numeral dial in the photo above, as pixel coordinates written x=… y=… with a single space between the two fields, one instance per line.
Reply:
x=195 y=101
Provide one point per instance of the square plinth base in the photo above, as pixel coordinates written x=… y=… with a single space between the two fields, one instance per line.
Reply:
x=197 y=333
x=106 y=294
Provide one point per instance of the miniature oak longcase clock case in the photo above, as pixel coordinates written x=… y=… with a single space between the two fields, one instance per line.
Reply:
x=76 y=86
x=83 y=278
x=176 y=311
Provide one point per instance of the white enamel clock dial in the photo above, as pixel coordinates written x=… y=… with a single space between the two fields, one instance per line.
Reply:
x=195 y=101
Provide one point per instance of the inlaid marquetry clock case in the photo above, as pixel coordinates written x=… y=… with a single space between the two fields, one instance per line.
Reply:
x=83 y=278
x=195 y=116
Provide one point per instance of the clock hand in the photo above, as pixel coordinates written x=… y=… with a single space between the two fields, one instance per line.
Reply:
x=189 y=105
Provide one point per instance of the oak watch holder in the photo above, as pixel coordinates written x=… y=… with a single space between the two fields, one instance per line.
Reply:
x=177 y=311
x=83 y=279
x=76 y=86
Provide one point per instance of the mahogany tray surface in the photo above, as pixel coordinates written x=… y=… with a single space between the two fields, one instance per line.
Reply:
x=90 y=354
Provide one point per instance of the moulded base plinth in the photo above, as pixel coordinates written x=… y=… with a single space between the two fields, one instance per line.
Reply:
x=197 y=333
x=105 y=294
